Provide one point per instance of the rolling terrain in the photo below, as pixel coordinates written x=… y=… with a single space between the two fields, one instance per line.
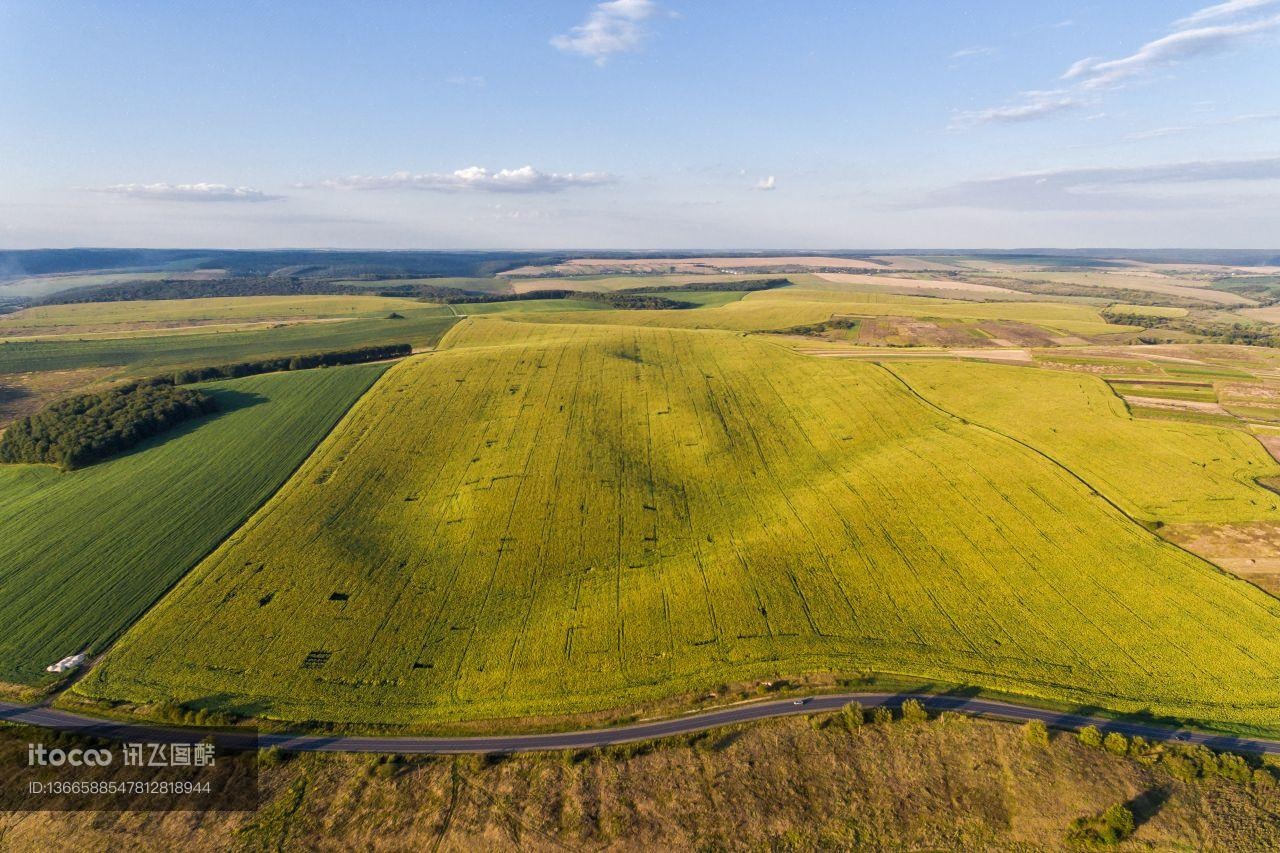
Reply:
x=541 y=519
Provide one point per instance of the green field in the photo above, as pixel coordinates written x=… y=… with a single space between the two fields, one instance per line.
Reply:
x=146 y=354
x=542 y=519
x=1155 y=471
x=83 y=554
x=227 y=309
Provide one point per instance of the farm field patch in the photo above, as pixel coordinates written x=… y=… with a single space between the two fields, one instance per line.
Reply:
x=84 y=553
x=1149 y=282
x=784 y=308
x=103 y=316
x=940 y=284
x=1170 y=472
x=421 y=326
x=546 y=519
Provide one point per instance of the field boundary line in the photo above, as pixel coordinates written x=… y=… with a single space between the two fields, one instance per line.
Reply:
x=1157 y=537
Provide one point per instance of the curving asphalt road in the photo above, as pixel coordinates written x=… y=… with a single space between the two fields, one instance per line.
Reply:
x=52 y=718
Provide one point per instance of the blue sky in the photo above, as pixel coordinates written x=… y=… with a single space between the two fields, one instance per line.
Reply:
x=640 y=124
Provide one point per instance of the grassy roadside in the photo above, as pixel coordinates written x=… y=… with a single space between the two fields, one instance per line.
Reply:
x=819 y=783
x=726 y=695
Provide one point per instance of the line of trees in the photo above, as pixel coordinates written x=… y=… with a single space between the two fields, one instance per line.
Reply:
x=749 y=285
x=332 y=358
x=84 y=429
x=129 y=291
x=630 y=301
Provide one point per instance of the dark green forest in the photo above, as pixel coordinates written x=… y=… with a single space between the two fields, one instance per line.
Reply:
x=84 y=429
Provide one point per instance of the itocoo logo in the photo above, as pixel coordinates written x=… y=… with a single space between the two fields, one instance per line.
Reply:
x=39 y=755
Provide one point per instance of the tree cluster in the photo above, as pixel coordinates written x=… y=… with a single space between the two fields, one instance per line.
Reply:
x=81 y=430
x=1107 y=829
x=629 y=301
x=749 y=285
x=818 y=329
x=1249 y=334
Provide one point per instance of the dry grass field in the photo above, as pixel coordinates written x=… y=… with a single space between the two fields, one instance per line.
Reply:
x=947 y=784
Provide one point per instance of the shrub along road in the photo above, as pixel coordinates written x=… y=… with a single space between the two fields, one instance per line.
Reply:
x=51 y=718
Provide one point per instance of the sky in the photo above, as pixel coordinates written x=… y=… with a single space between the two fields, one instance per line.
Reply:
x=640 y=124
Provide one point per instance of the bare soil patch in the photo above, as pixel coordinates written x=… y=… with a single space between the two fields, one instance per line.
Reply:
x=1250 y=550
x=885 y=281
x=1178 y=405
x=22 y=394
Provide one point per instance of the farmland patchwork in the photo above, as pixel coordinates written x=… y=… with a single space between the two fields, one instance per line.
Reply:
x=544 y=518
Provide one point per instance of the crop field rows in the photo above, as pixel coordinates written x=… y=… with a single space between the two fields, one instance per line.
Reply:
x=84 y=553
x=420 y=326
x=1156 y=471
x=555 y=518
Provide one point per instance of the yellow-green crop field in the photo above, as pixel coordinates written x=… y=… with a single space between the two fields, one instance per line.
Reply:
x=1156 y=471
x=796 y=306
x=546 y=519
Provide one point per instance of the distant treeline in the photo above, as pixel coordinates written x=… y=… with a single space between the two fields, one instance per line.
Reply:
x=84 y=429
x=288 y=362
x=319 y=263
x=634 y=301
x=631 y=298
x=294 y=285
x=1085 y=291
x=749 y=285
x=438 y=293
x=1250 y=334
x=130 y=291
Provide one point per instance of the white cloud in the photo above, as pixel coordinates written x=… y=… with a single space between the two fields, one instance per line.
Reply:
x=475 y=81
x=616 y=26
x=1230 y=9
x=1108 y=188
x=1093 y=73
x=526 y=179
x=1213 y=29
x=766 y=184
x=1033 y=105
x=1175 y=130
x=187 y=192
x=973 y=52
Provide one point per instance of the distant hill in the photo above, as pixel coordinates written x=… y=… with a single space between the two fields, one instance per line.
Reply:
x=290 y=262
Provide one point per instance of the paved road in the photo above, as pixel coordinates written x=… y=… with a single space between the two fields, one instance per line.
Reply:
x=65 y=721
